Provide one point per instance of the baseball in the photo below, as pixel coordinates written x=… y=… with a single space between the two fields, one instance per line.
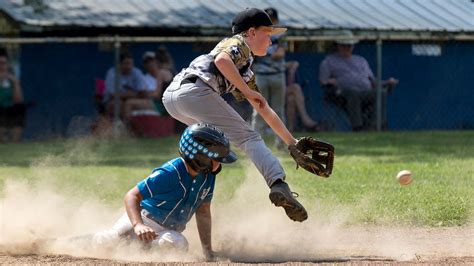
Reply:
x=404 y=177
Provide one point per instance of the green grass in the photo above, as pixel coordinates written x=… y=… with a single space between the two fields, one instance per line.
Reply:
x=363 y=182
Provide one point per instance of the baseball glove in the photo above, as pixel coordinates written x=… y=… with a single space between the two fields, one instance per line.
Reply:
x=313 y=155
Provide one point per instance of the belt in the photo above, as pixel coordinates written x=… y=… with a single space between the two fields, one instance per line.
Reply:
x=189 y=80
x=178 y=227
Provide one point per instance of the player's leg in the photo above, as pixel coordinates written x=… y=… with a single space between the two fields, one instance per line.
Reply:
x=171 y=100
x=244 y=108
x=169 y=239
x=166 y=239
x=200 y=103
x=121 y=229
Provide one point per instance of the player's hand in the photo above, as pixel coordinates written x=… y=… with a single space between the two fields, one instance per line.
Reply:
x=144 y=232
x=213 y=256
x=256 y=100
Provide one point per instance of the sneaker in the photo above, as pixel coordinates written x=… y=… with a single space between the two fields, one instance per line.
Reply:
x=281 y=196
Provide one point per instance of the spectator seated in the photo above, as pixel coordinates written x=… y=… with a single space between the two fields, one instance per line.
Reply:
x=333 y=95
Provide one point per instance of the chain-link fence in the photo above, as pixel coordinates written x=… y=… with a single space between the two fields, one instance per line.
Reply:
x=433 y=92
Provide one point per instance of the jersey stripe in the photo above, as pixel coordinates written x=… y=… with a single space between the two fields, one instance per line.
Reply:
x=149 y=190
x=181 y=183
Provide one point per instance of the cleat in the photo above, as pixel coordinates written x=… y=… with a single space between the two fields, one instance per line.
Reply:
x=281 y=196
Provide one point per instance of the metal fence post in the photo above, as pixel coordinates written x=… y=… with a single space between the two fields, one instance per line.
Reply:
x=379 y=84
x=116 y=87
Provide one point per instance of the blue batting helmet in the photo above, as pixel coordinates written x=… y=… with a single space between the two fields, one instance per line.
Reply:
x=200 y=143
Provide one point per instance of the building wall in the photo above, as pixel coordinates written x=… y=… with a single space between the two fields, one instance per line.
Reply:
x=60 y=79
x=434 y=92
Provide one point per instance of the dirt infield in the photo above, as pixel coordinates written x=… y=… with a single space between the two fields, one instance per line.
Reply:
x=355 y=246
x=63 y=259
x=242 y=235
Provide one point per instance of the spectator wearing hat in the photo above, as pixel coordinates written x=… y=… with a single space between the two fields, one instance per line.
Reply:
x=349 y=76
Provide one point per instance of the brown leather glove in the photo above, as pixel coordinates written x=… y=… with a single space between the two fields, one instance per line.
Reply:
x=313 y=155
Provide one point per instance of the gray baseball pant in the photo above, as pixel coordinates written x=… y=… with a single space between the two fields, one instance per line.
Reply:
x=123 y=227
x=197 y=102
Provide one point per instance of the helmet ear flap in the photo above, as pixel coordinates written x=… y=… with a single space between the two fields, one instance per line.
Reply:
x=201 y=163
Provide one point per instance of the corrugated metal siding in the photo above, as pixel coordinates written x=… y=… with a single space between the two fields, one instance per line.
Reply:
x=405 y=15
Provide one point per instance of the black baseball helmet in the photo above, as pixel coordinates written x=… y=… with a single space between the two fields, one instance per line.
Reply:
x=200 y=143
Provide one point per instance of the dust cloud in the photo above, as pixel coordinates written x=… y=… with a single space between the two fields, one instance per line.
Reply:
x=39 y=218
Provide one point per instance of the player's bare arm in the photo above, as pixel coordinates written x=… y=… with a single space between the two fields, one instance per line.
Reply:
x=272 y=119
x=132 y=205
x=226 y=66
x=204 y=225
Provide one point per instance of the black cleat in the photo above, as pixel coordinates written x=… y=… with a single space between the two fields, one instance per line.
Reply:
x=281 y=196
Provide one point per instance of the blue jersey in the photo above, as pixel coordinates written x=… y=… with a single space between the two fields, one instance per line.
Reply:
x=172 y=196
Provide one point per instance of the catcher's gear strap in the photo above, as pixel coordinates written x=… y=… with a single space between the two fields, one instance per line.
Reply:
x=313 y=155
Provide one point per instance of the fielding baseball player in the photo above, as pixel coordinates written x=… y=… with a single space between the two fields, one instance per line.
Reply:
x=160 y=206
x=195 y=96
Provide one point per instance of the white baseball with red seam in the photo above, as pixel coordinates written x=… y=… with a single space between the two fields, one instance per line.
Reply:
x=404 y=177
